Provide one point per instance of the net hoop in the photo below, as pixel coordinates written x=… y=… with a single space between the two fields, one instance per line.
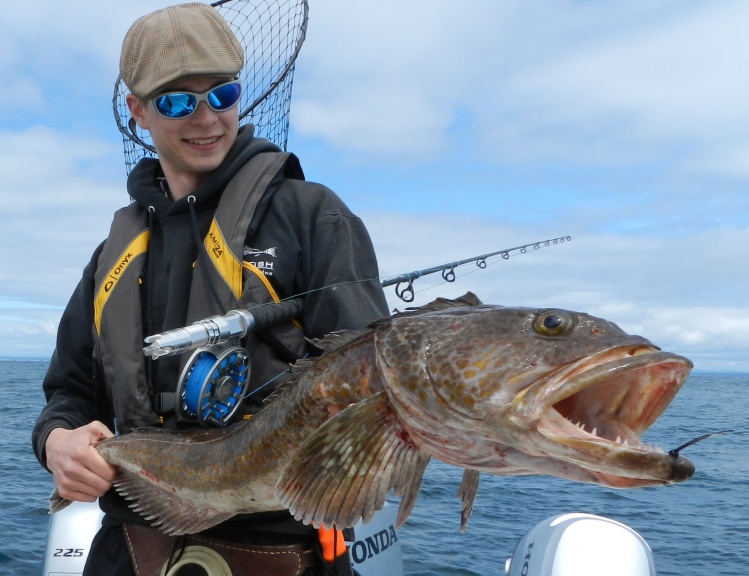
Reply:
x=271 y=33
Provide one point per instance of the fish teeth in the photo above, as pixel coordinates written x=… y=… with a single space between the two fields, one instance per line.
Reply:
x=593 y=432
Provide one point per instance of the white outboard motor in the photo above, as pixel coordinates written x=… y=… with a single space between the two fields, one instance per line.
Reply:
x=581 y=545
x=70 y=533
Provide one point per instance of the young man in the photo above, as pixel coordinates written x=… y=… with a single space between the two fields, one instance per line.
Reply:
x=159 y=270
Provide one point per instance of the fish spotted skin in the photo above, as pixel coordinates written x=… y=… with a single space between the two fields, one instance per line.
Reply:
x=506 y=391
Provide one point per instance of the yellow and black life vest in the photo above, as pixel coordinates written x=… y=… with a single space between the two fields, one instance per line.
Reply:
x=118 y=331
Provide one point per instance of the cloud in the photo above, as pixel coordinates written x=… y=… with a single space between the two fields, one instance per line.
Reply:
x=392 y=87
x=684 y=294
x=27 y=332
x=340 y=119
x=59 y=61
x=58 y=197
x=559 y=82
x=672 y=78
x=453 y=129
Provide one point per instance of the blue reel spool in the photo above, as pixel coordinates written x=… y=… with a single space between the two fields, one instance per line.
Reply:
x=213 y=384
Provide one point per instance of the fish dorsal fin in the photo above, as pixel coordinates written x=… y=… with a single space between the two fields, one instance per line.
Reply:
x=468 y=299
x=158 y=505
x=302 y=365
x=467 y=494
x=335 y=340
x=342 y=473
x=297 y=369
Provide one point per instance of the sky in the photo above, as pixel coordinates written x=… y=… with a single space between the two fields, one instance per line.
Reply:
x=454 y=129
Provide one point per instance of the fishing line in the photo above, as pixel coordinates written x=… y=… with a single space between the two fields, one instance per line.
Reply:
x=454 y=278
x=237 y=323
x=404 y=282
x=414 y=292
x=448 y=275
x=675 y=451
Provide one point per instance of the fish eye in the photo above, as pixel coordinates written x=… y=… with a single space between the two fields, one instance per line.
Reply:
x=554 y=323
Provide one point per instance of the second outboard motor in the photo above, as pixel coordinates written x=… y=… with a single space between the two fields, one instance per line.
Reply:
x=581 y=545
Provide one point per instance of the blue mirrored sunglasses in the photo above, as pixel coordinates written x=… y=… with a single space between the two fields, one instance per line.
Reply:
x=182 y=104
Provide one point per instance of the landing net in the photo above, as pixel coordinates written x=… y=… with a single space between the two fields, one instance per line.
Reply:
x=272 y=33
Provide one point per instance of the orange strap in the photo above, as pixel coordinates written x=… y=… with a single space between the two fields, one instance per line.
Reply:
x=332 y=543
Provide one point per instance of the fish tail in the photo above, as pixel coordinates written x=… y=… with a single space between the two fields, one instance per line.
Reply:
x=57 y=502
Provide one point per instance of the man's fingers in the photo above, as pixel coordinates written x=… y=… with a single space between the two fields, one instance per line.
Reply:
x=80 y=485
x=102 y=469
x=99 y=431
x=78 y=469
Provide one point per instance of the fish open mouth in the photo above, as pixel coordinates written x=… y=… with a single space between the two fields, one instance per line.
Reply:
x=602 y=404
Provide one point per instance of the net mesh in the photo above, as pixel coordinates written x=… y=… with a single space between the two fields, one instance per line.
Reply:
x=272 y=33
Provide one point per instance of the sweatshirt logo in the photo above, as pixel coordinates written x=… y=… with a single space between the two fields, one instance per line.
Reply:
x=261 y=259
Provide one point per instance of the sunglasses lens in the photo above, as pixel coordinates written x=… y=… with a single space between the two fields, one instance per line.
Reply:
x=175 y=105
x=225 y=96
x=181 y=104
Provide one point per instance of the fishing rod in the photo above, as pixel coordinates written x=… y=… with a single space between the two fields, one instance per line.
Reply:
x=215 y=380
x=237 y=323
x=406 y=293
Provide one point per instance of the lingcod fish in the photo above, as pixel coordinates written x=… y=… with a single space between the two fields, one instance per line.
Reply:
x=500 y=390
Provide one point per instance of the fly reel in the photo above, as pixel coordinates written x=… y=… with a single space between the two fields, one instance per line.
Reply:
x=213 y=384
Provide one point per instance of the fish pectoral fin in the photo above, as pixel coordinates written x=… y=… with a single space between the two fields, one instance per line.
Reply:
x=163 y=508
x=467 y=494
x=344 y=470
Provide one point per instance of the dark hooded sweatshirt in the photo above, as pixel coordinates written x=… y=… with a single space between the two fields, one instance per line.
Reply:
x=302 y=235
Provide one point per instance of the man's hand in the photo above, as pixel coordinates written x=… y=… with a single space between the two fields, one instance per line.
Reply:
x=80 y=473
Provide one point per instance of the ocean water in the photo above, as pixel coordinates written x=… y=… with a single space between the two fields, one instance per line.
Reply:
x=699 y=527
